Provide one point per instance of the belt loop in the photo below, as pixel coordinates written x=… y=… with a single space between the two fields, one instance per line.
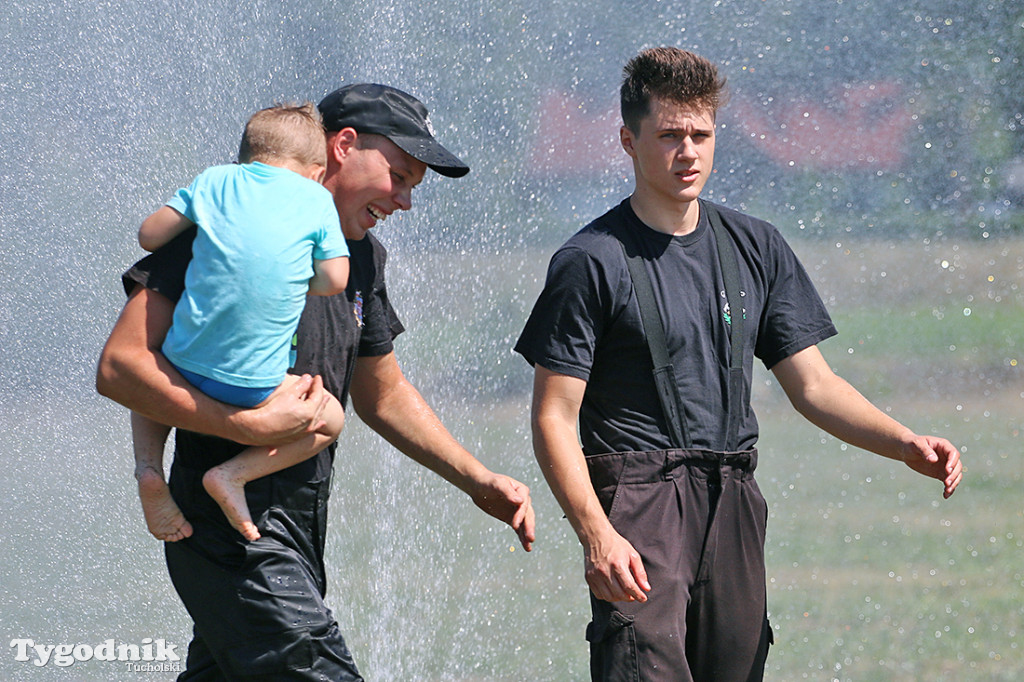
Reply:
x=668 y=467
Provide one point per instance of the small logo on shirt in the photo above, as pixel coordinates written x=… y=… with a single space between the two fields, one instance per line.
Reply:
x=357 y=308
x=726 y=311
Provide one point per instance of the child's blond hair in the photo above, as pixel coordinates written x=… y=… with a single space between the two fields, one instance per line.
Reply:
x=283 y=132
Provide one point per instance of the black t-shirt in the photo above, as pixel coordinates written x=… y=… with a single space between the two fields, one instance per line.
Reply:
x=586 y=324
x=333 y=331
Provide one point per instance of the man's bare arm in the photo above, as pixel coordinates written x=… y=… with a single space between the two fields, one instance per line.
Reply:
x=613 y=568
x=392 y=407
x=831 y=403
x=132 y=371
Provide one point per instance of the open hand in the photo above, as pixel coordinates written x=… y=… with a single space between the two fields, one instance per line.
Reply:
x=936 y=458
x=508 y=500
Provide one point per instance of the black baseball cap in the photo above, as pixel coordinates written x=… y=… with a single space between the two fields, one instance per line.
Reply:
x=383 y=110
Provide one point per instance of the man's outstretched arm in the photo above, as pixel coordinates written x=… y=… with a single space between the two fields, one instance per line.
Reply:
x=391 y=406
x=829 y=402
x=613 y=567
x=132 y=371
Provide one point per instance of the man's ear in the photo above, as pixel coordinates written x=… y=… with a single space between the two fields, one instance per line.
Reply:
x=626 y=140
x=340 y=143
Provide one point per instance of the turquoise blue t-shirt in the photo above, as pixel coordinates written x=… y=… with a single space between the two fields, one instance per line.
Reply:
x=259 y=229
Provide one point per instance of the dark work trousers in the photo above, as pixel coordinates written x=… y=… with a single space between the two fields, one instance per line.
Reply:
x=697 y=518
x=258 y=607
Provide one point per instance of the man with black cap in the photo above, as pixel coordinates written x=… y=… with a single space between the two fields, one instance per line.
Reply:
x=246 y=598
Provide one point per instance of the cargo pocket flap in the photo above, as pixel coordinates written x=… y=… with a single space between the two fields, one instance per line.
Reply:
x=599 y=632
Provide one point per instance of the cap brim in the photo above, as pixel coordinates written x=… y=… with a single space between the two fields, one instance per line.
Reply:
x=431 y=152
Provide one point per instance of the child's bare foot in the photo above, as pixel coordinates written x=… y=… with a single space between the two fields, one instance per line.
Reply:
x=163 y=518
x=229 y=492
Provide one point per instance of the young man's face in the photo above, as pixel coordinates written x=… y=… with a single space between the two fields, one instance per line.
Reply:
x=370 y=178
x=673 y=152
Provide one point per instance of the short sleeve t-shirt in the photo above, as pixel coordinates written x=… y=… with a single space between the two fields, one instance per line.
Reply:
x=259 y=229
x=333 y=332
x=586 y=324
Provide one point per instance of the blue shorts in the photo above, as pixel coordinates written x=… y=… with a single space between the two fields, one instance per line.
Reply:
x=240 y=396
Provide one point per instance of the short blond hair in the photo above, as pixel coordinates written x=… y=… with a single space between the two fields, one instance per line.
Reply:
x=282 y=132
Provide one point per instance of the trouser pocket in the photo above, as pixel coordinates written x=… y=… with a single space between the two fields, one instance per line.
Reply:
x=613 y=654
x=271 y=657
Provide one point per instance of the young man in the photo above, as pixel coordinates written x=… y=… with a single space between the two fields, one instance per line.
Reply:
x=661 y=493
x=258 y=606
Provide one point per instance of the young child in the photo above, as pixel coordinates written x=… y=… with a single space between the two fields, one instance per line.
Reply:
x=267 y=234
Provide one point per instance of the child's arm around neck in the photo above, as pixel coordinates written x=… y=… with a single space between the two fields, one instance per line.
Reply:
x=161 y=227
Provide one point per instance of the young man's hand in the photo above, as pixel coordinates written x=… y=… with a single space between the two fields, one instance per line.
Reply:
x=508 y=500
x=614 y=569
x=294 y=413
x=936 y=458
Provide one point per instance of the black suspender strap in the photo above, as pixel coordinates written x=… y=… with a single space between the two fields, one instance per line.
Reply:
x=654 y=330
x=731 y=275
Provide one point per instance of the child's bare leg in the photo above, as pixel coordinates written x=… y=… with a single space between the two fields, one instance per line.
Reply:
x=163 y=518
x=226 y=482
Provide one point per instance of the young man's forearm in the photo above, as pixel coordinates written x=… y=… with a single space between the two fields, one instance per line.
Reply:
x=143 y=385
x=556 y=406
x=831 y=403
x=564 y=467
x=390 y=405
x=133 y=372
x=613 y=568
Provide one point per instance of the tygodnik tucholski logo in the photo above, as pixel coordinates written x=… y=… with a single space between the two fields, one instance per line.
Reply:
x=149 y=655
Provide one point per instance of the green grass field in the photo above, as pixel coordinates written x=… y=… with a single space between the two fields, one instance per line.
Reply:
x=874 y=577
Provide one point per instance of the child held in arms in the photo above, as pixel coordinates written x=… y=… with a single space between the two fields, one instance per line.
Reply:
x=267 y=234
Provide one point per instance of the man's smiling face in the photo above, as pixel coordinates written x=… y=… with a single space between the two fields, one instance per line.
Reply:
x=370 y=178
